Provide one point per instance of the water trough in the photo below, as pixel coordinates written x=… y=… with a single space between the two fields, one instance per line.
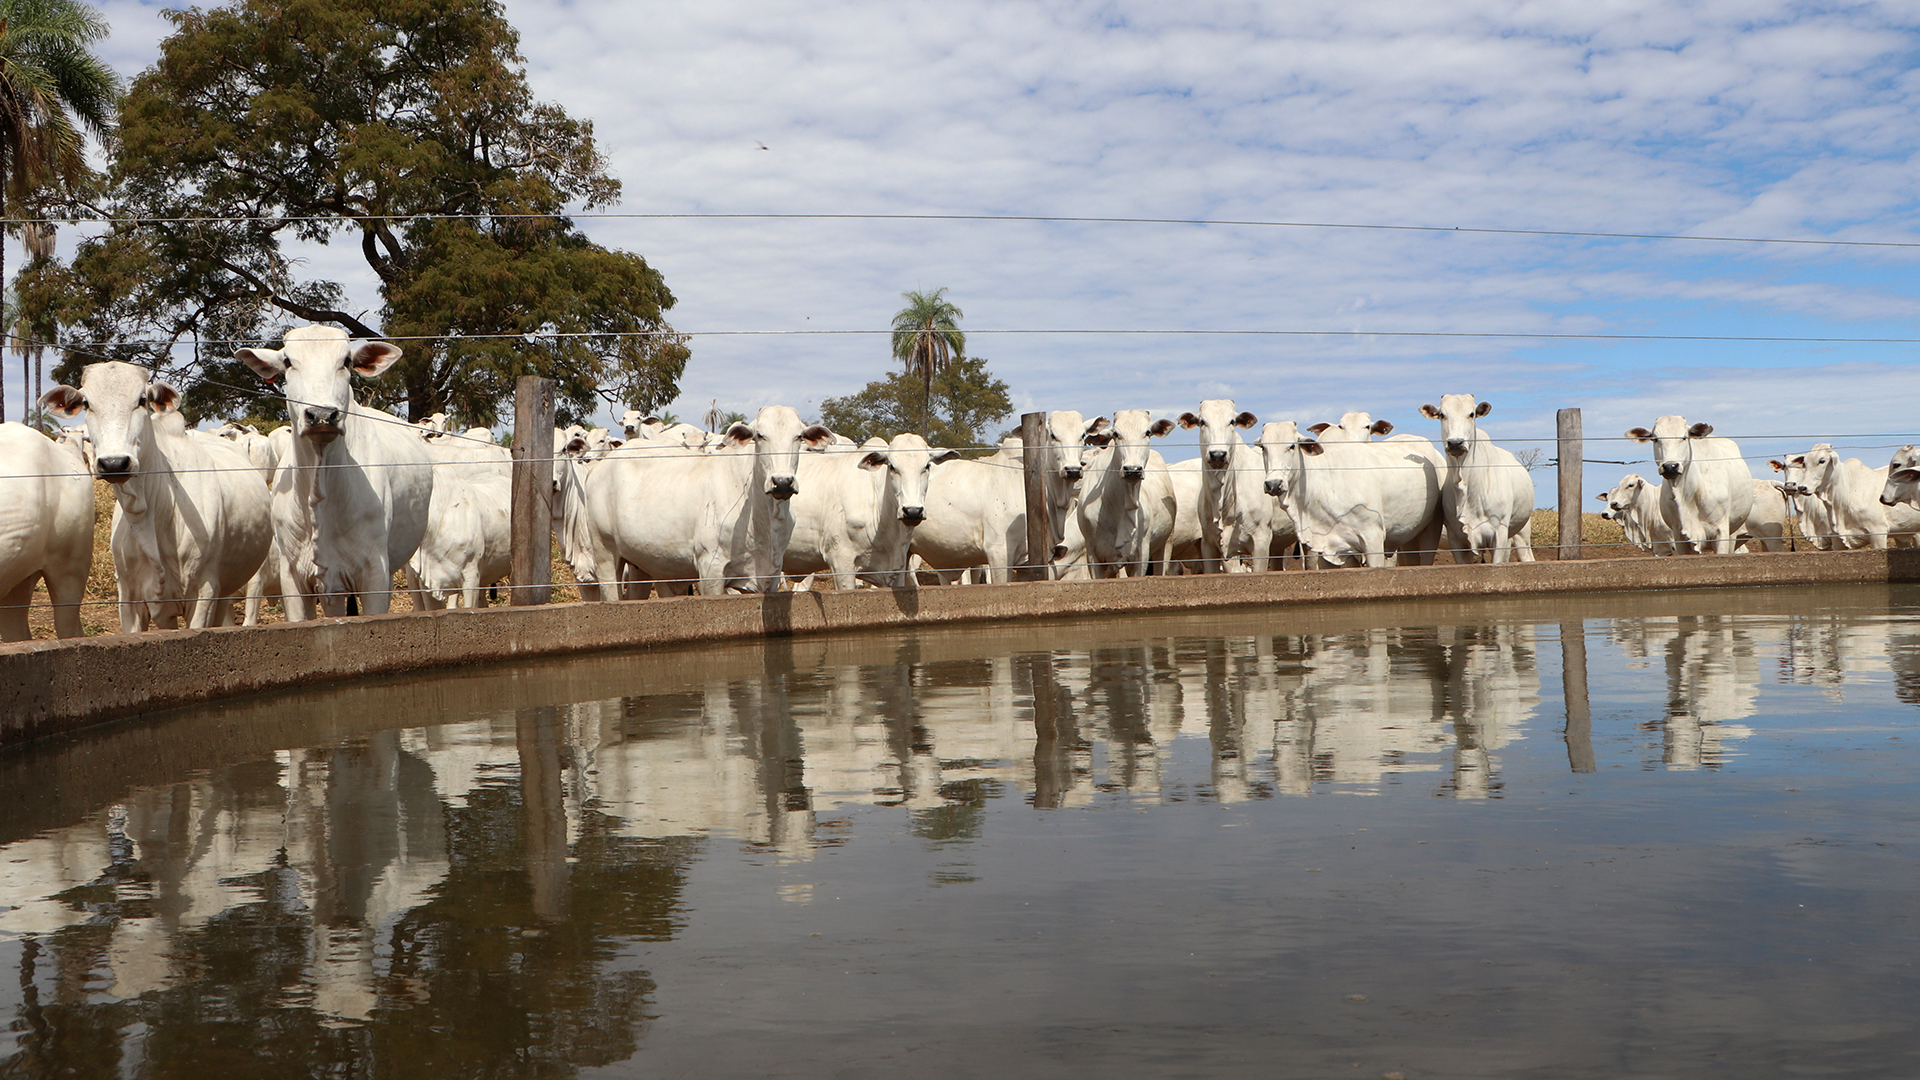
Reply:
x=52 y=687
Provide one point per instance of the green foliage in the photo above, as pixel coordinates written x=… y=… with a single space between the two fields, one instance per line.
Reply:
x=51 y=87
x=966 y=399
x=330 y=120
x=926 y=339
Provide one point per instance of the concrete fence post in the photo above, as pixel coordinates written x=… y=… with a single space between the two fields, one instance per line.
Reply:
x=1033 y=440
x=532 y=566
x=1571 y=451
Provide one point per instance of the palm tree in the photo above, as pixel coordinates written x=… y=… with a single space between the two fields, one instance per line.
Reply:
x=48 y=81
x=926 y=338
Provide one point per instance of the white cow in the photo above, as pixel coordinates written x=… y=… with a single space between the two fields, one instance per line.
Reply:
x=1706 y=491
x=1355 y=502
x=718 y=520
x=350 y=503
x=1487 y=497
x=190 y=520
x=1124 y=516
x=1851 y=494
x=858 y=509
x=1903 y=478
x=1353 y=427
x=46 y=529
x=265 y=452
x=1238 y=519
x=1635 y=505
x=1063 y=464
x=976 y=517
x=1816 y=523
x=1766 y=526
x=468 y=544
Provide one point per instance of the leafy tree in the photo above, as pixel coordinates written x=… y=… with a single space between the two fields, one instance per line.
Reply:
x=926 y=339
x=329 y=120
x=969 y=397
x=51 y=87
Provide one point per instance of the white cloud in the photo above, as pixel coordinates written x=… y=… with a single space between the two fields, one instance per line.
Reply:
x=1714 y=118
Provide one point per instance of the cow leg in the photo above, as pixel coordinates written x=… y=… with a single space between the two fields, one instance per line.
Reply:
x=1261 y=556
x=13 y=611
x=65 y=591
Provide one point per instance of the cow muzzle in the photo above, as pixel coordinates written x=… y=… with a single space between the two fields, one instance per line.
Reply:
x=1133 y=472
x=1671 y=470
x=1456 y=448
x=114 y=470
x=783 y=487
x=913 y=515
x=1216 y=458
x=1606 y=515
x=322 y=425
x=1884 y=501
x=1276 y=488
x=1071 y=472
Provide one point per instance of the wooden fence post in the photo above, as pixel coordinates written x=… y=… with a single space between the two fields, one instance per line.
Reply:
x=532 y=491
x=1571 y=451
x=1033 y=436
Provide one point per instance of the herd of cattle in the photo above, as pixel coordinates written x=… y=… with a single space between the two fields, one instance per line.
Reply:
x=325 y=510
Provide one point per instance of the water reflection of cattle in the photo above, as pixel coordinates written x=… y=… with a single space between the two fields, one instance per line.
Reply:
x=1713 y=679
x=1824 y=649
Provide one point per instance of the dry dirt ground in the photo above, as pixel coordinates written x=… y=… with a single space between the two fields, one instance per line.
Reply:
x=1602 y=539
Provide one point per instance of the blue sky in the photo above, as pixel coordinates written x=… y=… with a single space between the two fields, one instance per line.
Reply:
x=1723 y=118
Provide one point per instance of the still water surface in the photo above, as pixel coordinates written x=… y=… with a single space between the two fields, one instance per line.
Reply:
x=1654 y=835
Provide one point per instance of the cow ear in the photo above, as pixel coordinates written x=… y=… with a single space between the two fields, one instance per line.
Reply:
x=1640 y=434
x=1320 y=428
x=817 y=437
x=1382 y=427
x=739 y=433
x=370 y=358
x=1246 y=419
x=574 y=445
x=948 y=454
x=1097 y=439
x=1430 y=412
x=1603 y=496
x=269 y=364
x=1907 y=476
x=1778 y=465
x=64 y=400
x=161 y=397
x=1484 y=408
x=1188 y=420
x=1098 y=423
x=1311 y=447
x=1700 y=431
x=873 y=460
x=1160 y=427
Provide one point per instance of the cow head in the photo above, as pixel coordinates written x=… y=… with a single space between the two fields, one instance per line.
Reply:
x=1903 y=478
x=1623 y=495
x=1283 y=450
x=1793 y=475
x=909 y=463
x=1457 y=414
x=1672 y=441
x=316 y=361
x=777 y=436
x=1066 y=434
x=1216 y=422
x=121 y=401
x=1353 y=427
x=1126 y=438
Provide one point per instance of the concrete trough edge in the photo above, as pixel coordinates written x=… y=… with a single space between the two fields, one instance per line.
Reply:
x=52 y=687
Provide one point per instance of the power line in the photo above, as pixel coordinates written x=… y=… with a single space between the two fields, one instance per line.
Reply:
x=1065 y=219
